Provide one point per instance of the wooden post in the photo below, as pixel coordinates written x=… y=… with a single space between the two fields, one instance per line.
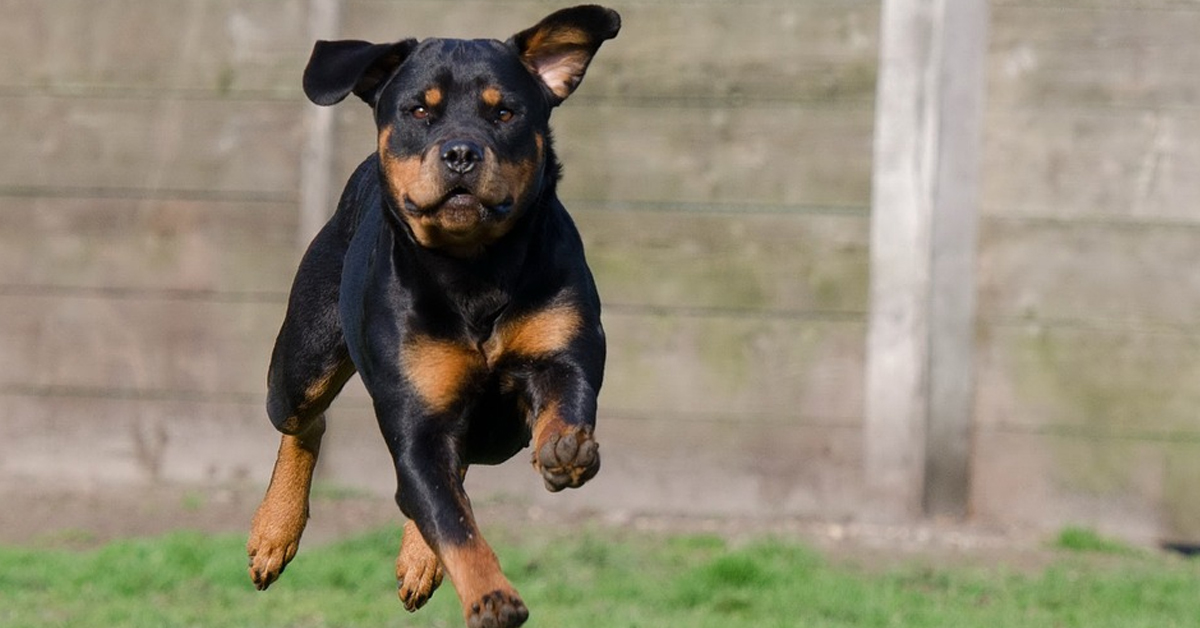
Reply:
x=316 y=166
x=920 y=338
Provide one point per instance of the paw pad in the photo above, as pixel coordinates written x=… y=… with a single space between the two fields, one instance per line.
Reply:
x=567 y=459
x=497 y=609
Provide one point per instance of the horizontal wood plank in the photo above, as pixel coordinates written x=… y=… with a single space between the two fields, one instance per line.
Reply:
x=84 y=442
x=664 y=259
x=1088 y=381
x=133 y=346
x=689 y=367
x=774 y=469
x=229 y=47
x=243 y=249
x=202 y=146
x=1092 y=5
x=1056 y=271
x=1095 y=55
x=729 y=469
x=772 y=155
x=698 y=54
x=1141 y=491
x=1087 y=164
x=726 y=365
x=149 y=46
x=752 y=262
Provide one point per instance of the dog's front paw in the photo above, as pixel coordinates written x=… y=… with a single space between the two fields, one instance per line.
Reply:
x=498 y=609
x=568 y=458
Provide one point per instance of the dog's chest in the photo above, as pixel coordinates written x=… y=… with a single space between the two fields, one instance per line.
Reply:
x=441 y=370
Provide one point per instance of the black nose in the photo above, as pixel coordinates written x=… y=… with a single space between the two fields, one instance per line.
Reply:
x=461 y=156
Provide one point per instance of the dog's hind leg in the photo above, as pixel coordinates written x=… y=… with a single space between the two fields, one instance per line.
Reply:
x=418 y=570
x=309 y=366
x=430 y=492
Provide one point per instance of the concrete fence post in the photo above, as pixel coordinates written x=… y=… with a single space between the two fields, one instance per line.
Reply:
x=316 y=167
x=920 y=340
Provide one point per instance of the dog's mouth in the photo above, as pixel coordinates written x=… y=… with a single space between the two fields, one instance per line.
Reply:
x=459 y=209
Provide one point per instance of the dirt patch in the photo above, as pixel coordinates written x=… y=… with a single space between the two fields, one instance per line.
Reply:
x=65 y=517
x=82 y=519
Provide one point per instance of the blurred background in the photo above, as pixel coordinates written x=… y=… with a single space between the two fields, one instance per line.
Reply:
x=162 y=169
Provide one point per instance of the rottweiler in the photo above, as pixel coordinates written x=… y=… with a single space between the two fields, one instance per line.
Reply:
x=453 y=281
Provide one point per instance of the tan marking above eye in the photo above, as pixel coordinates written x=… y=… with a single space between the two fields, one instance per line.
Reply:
x=492 y=97
x=433 y=97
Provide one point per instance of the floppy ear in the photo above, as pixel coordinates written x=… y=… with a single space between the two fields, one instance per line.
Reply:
x=337 y=68
x=560 y=47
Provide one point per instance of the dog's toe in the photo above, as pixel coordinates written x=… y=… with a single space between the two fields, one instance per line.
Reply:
x=418 y=569
x=267 y=560
x=415 y=583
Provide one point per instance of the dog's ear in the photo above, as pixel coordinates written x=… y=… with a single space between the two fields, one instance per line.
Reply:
x=337 y=68
x=559 y=48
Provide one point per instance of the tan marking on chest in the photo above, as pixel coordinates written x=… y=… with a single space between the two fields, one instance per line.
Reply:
x=534 y=335
x=439 y=370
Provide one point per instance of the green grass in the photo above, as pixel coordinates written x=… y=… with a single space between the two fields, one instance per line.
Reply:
x=594 y=579
x=1078 y=539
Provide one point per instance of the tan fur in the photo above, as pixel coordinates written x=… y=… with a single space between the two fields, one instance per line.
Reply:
x=559 y=56
x=556 y=37
x=462 y=233
x=491 y=96
x=534 y=335
x=321 y=390
x=280 y=519
x=548 y=421
x=418 y=570
x=433 y=97
x=475 y=572
x=438 y=369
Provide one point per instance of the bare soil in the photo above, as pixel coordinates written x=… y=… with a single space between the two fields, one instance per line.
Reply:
x=63 y=517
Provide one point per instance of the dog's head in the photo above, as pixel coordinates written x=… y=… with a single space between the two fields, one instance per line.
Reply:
x=464 y=143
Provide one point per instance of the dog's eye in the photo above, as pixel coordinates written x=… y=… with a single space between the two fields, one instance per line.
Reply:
x=504 y=115
x=419 y=113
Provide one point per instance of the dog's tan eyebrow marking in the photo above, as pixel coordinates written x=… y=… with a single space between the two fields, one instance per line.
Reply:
x=491 y=96
x=433 y=97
